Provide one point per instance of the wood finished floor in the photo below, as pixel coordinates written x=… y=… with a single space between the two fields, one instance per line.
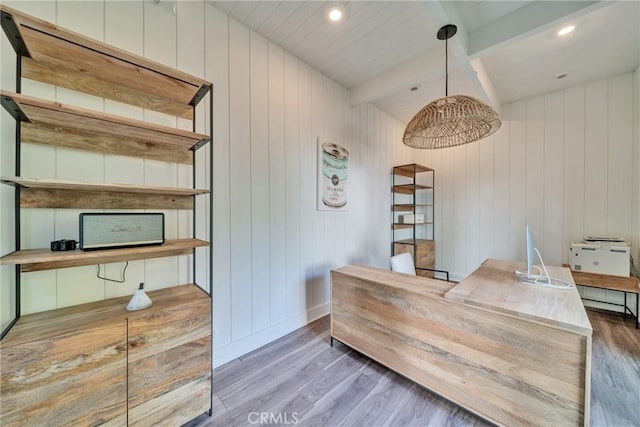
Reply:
x=301 y=380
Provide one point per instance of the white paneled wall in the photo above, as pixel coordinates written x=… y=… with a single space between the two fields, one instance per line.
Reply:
x=566 y=163
x=272 y=249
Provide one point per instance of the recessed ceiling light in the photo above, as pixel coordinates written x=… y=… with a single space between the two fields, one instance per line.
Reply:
x=335 y=13
x=566 y=30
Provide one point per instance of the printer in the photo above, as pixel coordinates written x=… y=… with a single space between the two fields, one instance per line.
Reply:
x=602 y=255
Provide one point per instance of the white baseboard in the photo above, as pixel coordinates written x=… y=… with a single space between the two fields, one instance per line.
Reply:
x=256 y=340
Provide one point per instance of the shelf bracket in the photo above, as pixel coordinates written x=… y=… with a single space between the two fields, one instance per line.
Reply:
x=14 y=109
x=13 y=34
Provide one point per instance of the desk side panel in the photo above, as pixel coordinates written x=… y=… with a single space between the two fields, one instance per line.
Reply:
x=505 y=369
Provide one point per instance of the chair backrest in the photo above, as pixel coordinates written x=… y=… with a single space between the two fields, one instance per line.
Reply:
x=403 y=263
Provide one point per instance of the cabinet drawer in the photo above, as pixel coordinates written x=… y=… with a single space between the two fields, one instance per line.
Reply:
x=79 y=378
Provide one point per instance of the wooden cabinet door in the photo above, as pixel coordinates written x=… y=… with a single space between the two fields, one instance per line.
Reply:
x=78 y=378
x=170 y=363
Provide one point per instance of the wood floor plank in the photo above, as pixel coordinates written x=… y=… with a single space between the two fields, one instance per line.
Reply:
x=333 y=408
x=278 y=389
x=301 y=380
x=380 y=403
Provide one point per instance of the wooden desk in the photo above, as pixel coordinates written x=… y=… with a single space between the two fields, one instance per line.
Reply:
x=612 y=283
x=508 y=364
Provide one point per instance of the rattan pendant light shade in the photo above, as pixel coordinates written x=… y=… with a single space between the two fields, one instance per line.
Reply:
x=452 y=120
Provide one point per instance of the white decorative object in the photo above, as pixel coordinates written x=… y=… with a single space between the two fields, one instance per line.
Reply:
x=139 y=300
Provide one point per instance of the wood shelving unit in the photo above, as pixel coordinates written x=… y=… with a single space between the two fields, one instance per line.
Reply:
x=146 y=367
x=408 y=197
x=52 y=123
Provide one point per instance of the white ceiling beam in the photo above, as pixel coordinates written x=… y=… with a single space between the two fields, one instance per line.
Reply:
x=419 y=69
x=430 y=66
x=530 y=19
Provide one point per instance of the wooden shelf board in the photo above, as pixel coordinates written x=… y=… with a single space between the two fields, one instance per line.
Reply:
x=412 y=241
x=410 y=188
x=400 y=225
x=409 y=170
x=47 y=193
x=52 y=123
x=90 y=66
x=46 y=324
x=45 y=259
x=606 y=281
x=408 y=207
x=86 y=186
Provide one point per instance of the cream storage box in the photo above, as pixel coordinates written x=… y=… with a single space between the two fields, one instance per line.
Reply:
x=412 y=219
x=601 y=258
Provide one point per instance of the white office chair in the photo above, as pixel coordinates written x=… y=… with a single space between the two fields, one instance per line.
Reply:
x=403 y=263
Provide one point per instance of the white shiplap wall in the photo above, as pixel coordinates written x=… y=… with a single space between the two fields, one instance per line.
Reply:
x=272 y=249
x=566 y=163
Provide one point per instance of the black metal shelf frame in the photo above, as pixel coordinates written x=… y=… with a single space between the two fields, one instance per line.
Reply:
x=208 y=89
x=415 y=187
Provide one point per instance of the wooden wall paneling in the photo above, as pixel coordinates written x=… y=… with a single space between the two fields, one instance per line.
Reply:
x=61 y=376
x=190 y=41
x=335 y=244
x=123 y=28
x=38 y=228
x=240 y=184
x=517 y=181
x=86 y=18
x=354 y=253
x=486 y=200
x=636 y=163
x=554 y=246
x=217 y=71
x=319 y=267
x=446 y=180
x=500 y=222
x=364 y=243
x=460 y=237
x=596 y=158
x=293 y=303
x=277 y=184
x=38 y=291
x=573 y=167
x=160 y=45
x=473 y=260
x=260 y=191
x=534 y=167
x=307 y=186
x=431 y=158
x=620 y=155
x=78 y=285
x=620 y=162
x=381 y=173
x=190 y=58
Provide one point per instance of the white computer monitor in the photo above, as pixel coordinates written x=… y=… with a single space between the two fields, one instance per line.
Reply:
x=538 y=275
x=530 y=252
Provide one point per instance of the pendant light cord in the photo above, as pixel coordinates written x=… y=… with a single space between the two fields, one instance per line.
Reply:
x=446 y=67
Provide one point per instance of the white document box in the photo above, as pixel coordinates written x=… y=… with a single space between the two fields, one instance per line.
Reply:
x=601 y=259
x=412 y=219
